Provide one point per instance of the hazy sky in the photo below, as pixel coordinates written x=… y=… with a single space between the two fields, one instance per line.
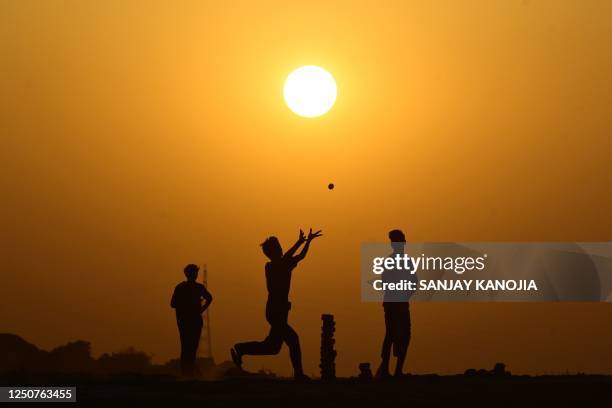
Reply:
x=138 y=136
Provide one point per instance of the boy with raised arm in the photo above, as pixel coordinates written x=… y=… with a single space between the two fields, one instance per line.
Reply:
x=278 y=282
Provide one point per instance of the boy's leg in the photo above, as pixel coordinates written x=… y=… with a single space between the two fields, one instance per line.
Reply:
x=403 y=338
x=195 y=335
x=277 y=318
x=385 y=354
x=295 y=352
x=402 y=351
x=270 y=345
x=184 y=347
x=190 y=338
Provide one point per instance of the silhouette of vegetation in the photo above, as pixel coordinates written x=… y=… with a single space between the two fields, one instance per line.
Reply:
x=17 y=355
x=72 y=357
x=128 y=360
x=499 y=370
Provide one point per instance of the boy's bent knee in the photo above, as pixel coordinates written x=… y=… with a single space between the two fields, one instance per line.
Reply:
x=273 y=344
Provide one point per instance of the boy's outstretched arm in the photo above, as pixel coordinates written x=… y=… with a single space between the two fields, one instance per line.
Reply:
x=300 y=241
x=304 y=251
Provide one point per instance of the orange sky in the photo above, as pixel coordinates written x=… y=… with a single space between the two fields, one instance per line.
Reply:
x=138 y=136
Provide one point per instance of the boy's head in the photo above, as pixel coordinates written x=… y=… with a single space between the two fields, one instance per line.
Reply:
x=191 y=272
x=272 y=248
x=398 y=240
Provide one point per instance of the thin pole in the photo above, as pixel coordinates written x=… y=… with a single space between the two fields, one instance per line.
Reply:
x=207 y=337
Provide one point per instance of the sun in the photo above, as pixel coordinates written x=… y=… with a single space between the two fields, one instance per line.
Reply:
x=310 y=91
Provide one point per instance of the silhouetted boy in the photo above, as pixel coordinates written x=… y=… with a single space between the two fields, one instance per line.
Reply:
x=278 y=282
x=397 y=312
x=187 y=301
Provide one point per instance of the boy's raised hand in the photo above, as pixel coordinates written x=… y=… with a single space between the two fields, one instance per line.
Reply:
x=314 y=235
x=302 y=237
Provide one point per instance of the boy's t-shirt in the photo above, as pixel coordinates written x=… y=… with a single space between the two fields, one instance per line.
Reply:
x=397 y=276
x=278 y=279
x=187 y=299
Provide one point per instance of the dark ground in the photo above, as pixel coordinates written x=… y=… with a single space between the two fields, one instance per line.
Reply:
x=426 y=391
